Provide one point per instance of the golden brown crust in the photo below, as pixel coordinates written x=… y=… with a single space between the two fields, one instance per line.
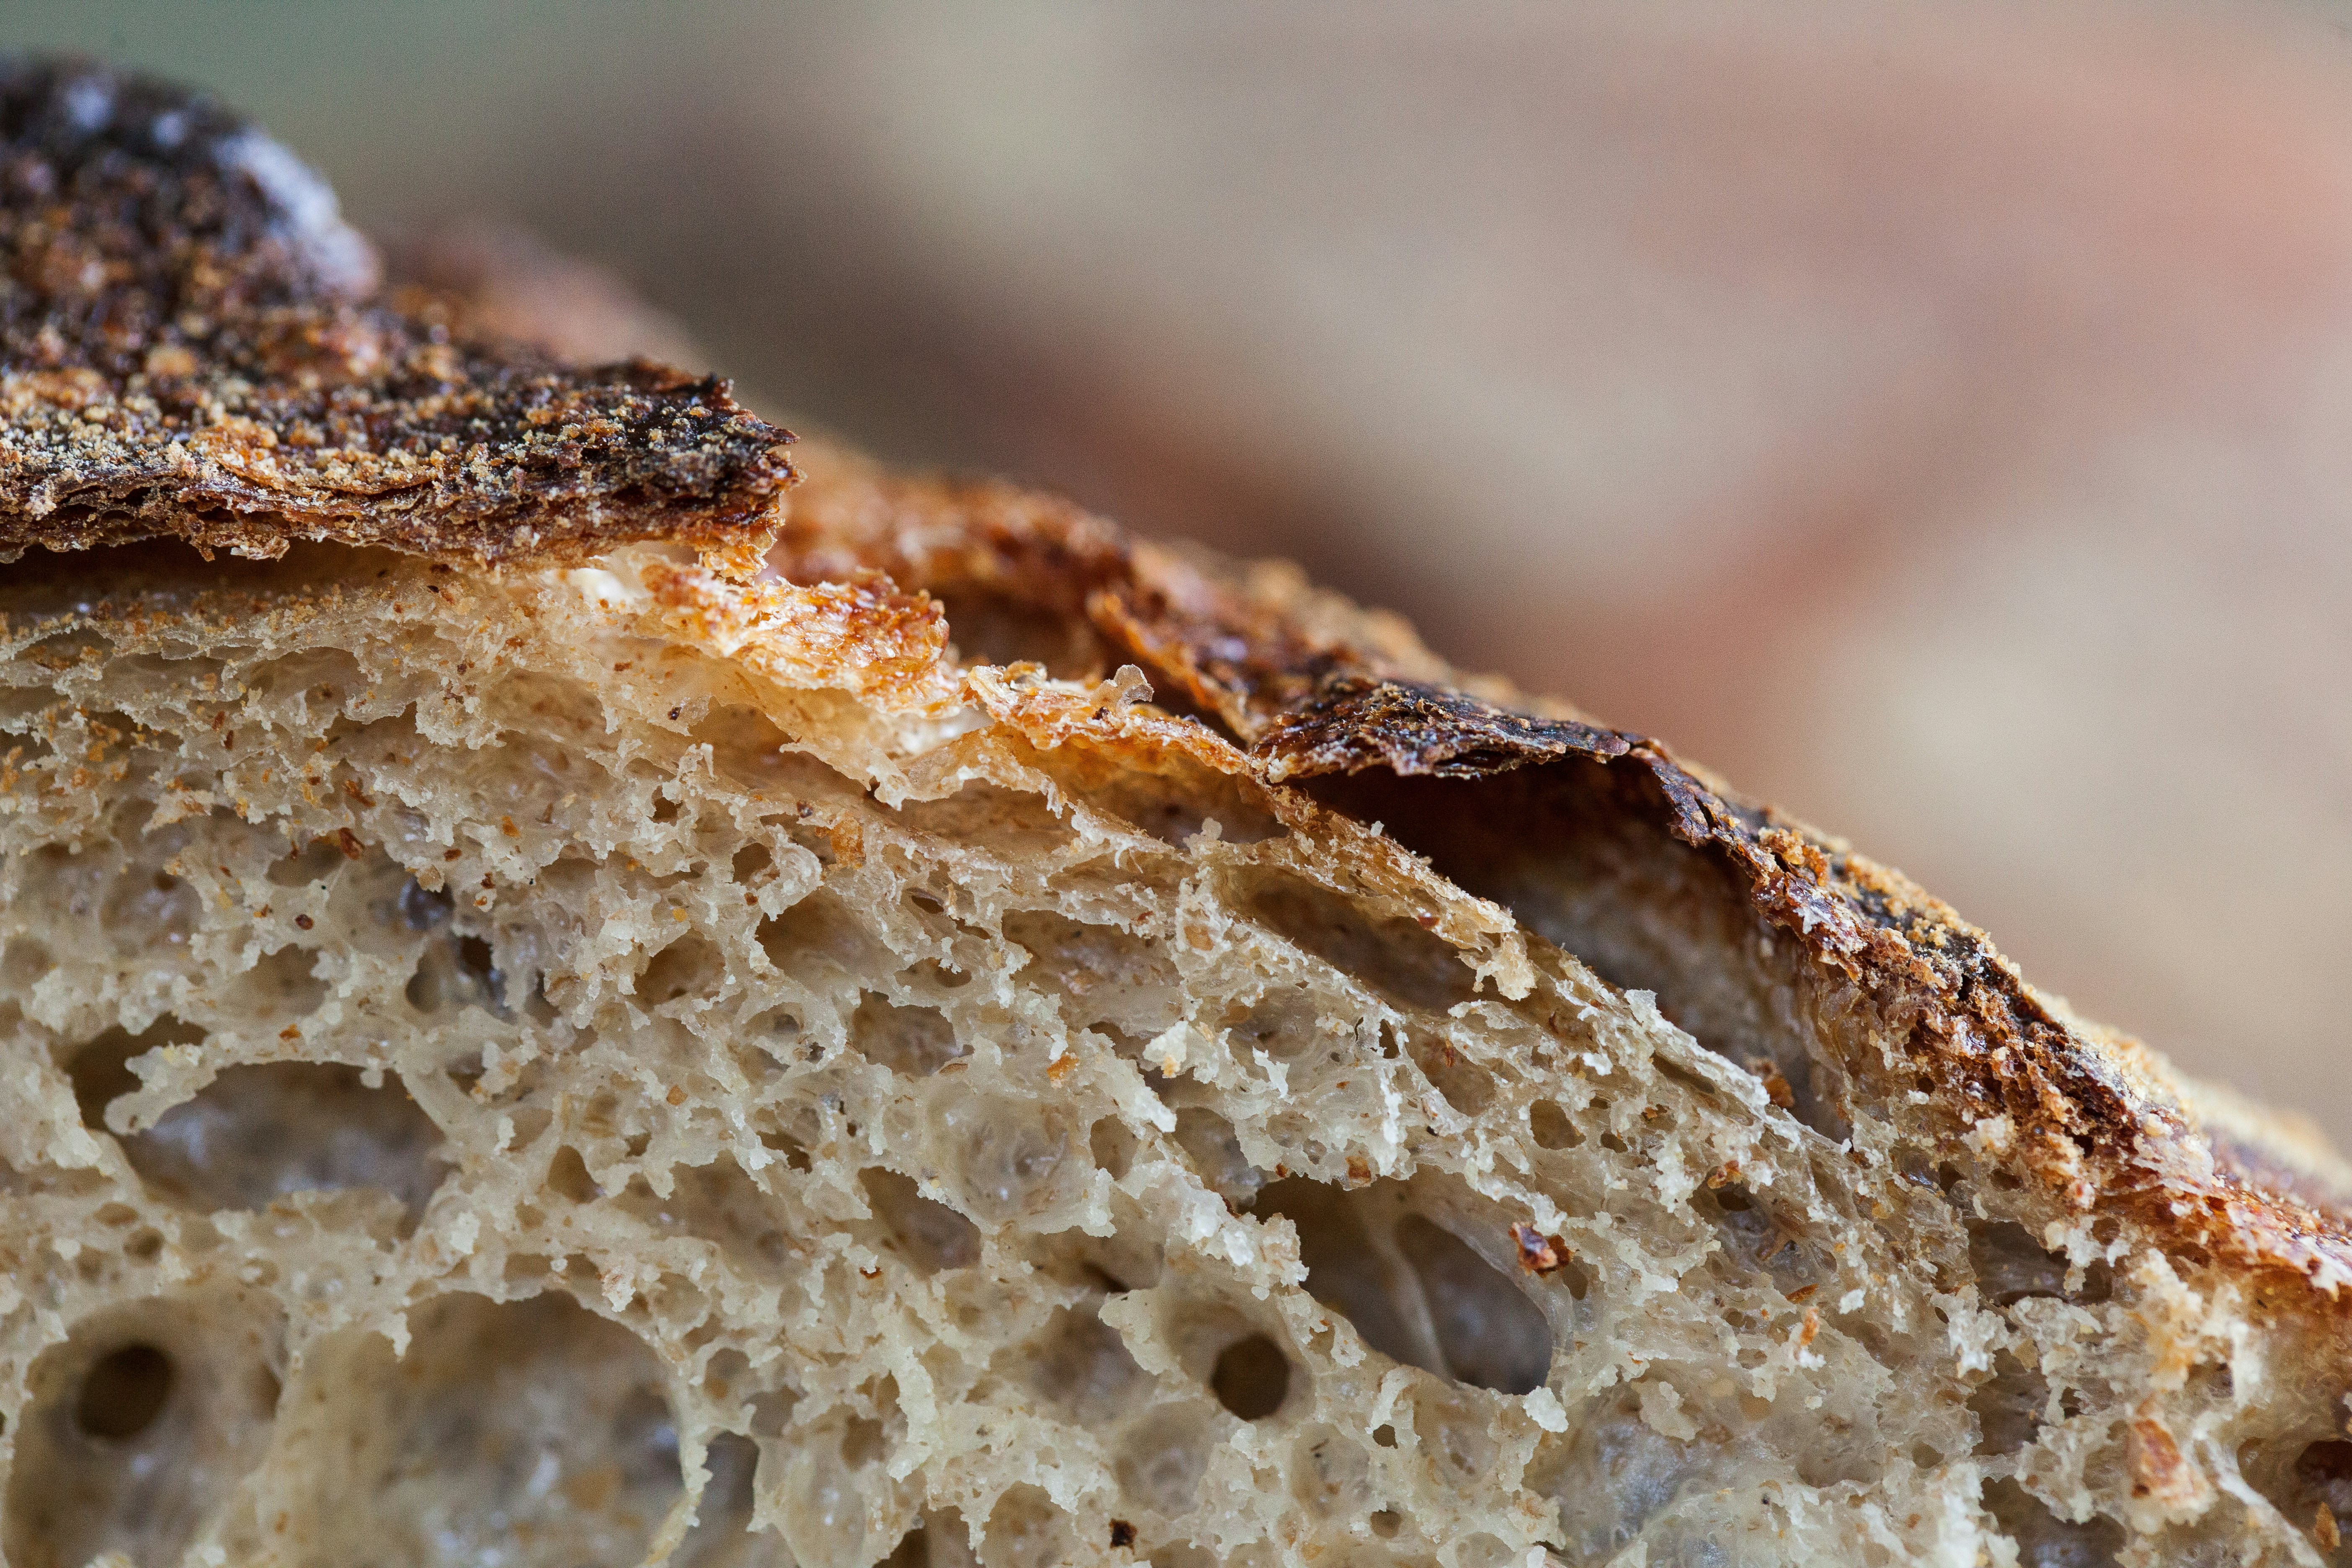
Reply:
x=193 y=343
x=1312 y=687
x=946 y=536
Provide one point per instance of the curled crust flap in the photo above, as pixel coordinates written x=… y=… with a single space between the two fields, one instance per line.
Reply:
x=1317 y=688
x=194 y=343
x=1310 y=686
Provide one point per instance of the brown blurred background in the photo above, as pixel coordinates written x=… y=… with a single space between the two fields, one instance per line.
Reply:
x=1933 y=415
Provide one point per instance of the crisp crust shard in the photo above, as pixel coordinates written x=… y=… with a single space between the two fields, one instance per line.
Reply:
x=194 y=343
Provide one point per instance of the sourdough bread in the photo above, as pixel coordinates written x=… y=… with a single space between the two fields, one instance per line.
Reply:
x=559 y=1009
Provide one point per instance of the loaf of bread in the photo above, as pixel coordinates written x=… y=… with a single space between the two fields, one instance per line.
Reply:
x=562 y=1005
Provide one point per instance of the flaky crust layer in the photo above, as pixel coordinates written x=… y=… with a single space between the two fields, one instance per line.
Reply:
x=1315 y=688
x=194 y=343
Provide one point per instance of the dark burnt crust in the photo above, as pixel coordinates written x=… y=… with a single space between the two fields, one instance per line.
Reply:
x=1355 y=721
x=1311 y=689
x=2083 y=1109
x=193 y=343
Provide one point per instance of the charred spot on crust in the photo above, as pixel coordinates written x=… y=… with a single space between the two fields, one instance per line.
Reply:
x=196 y=345
x=1354 y=722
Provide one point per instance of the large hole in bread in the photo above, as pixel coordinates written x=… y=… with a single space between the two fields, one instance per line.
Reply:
x=688 y=968
x=1016 y=823
x=1080 y=1365
x=1759 y=1233
x=913 y=1041
x=1488 y=1331
x=138 y=1427
x=2010 y=1266
x=1109 y=975
x=1611 y=1473
x=532 y=1434
x=1578 y=852
x=2045 y=1540
x=1252 y=1377
x=257 y=1134
x=1001 y=629
x=1413 y=1290
x=985 y=627
x=2008 y=1407
x=124 y=1392
x=1216 y=1155
x=722 y=1204
x=820 y=933
x=941 y=1541
x=722 y=1535
x=1552 y=1127
x=929 y=1235
x=456 y=970
x=2310 y=1482
x=1026 y=1529
x=1466 y=1086
x=281 y=986
x=100 y=1071
x=1391 y=953
x=1008 y=1159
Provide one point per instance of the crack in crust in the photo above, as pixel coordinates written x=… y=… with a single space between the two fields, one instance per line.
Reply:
x=2089 y=1105
x=192 y=342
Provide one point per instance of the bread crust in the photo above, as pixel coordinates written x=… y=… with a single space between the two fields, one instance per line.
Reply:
x=1313 y=686
x=201 y=352
x=196 y=344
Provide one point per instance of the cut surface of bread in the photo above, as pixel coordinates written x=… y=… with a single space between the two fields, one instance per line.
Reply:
x=965 y=1037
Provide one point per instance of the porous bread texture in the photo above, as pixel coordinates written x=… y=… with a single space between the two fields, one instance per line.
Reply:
x=608 y=1066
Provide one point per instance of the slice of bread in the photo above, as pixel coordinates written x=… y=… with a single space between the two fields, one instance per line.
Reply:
x=545 y=1022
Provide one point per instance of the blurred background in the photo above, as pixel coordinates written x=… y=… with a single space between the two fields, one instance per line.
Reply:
x=1936 y=416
